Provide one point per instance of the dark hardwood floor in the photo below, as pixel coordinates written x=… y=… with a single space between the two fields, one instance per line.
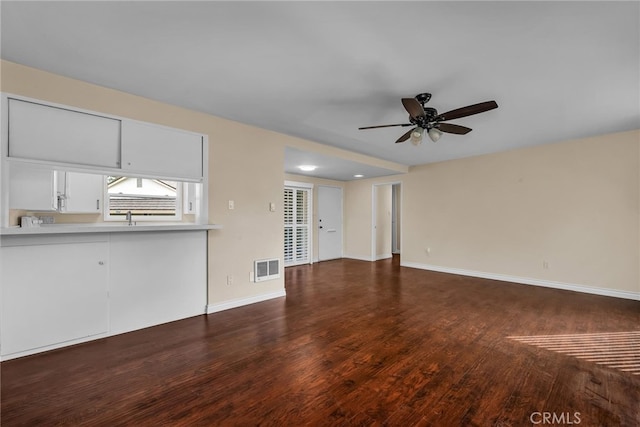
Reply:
x=353 y=343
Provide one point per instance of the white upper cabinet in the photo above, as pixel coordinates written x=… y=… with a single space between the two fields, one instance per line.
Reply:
x=38 y=188
x=161 y=151
x=191 y=197
x=42 y=132
x=81 y=192
x=61 y=136
x=32 y=188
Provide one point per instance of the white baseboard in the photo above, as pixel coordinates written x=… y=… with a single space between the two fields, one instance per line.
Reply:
x=528 y=281
x=359 y=258
x=383 y=256
x=29 y=352
x=239 y=302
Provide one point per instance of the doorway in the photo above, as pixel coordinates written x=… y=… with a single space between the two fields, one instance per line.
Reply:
x=395 y=218
x=386 y=220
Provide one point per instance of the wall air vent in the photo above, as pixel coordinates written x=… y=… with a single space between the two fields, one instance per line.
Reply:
x=266 y=269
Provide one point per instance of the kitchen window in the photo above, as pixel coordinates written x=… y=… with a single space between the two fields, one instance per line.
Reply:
x=146 y=199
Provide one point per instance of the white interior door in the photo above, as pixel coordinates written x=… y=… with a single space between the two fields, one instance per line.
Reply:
x=329 y=223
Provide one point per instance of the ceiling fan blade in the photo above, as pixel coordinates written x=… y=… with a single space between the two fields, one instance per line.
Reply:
x=385 y=126
x=451 y=128
x=406 y=136
x=469 y=110
x=413 y=107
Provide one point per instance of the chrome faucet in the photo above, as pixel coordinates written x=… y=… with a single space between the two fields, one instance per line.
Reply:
x=129 y=217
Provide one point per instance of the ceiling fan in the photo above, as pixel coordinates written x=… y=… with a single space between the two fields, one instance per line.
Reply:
x=427 y=119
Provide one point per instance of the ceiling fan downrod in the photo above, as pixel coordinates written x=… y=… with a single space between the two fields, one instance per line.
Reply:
x=423 y=98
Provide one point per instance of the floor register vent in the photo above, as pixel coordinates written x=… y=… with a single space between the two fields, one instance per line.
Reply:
x=266 y=269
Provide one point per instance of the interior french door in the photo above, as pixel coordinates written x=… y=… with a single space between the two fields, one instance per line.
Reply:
x=297 y=225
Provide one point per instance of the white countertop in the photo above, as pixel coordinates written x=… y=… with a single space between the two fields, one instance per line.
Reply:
x=103 y=228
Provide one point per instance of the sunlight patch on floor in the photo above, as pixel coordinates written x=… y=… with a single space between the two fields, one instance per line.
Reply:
x=618 y=350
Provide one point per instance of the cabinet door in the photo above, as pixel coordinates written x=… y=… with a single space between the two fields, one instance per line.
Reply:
x=156 y=277
x=83 y=193
x=32 y=188
x=160 y=151
x=52 y=293
x=54 y=134
x=190 y=198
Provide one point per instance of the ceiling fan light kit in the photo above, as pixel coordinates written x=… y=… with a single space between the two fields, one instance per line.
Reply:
x=416 y=135
x=428 y=118
x=435 y=134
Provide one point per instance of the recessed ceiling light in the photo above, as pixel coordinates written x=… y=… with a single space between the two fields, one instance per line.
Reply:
x=307 y=168
x=358 y=176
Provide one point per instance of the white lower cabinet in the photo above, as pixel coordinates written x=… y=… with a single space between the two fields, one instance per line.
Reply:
x=157 y=278
x=52 y=292
x=64 y=289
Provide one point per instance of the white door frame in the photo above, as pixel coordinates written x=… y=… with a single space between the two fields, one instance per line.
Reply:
x=374 y=219
x=395 y=238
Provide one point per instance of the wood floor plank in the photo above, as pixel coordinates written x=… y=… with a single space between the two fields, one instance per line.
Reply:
x=353 y=343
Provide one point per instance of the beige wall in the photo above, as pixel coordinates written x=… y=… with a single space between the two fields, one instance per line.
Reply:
x=572 y=205
x=559 y=214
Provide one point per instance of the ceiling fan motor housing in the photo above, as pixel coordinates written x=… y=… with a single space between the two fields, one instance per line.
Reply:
x=423 y=98
x=426 y=121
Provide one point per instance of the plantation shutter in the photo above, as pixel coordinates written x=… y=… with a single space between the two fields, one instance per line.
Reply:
x=296 y=225
x=288 y=226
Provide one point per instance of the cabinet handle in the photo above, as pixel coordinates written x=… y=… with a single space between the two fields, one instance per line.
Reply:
x=97 y=204
x=190 y=206
x=100 y=262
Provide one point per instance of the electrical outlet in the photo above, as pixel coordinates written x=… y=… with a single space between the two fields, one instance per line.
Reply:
x=229 y=280
x=48 y=219
x=545 y=264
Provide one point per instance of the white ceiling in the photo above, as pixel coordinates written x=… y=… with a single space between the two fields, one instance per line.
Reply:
x=320 y=70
